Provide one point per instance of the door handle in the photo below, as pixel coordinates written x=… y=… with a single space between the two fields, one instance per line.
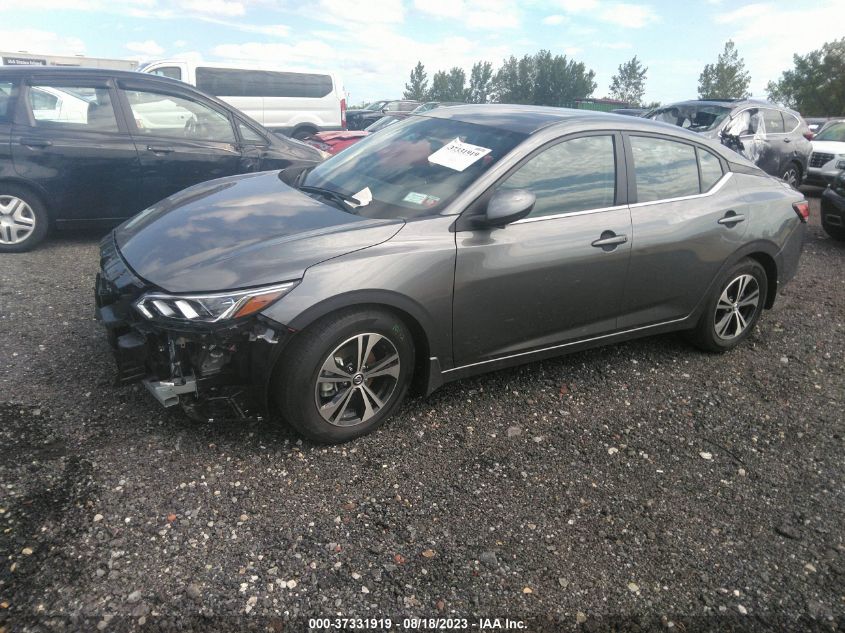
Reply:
x=609 y=241
x=157 y=149
x=35 y=142
x=786 y=139
x=731 y=218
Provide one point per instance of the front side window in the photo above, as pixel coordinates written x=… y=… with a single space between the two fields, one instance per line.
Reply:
x=663 y=169
x=413 y=168
x=72 y=107
x=746 y=123
x=174 y=72
x=790 y=121
x=376 y=105
x=158 y=114
x=575 y=175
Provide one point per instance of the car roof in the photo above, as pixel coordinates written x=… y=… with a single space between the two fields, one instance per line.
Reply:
x=528 y=119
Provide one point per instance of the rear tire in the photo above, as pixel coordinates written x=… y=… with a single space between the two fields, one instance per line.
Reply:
x=345 y=375
x=23 y=219
x=733 y=309
x=792 y=175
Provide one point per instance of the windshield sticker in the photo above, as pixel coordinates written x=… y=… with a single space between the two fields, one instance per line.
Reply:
x=365 y=196
x=458 y=155
x=416 y=198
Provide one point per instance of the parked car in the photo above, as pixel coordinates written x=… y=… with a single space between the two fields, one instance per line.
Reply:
x=816 y=124
x=833 y=207
x=360 y=118
x=296 y=104
x=456 y=242
x=771 y=137
x=828 y=157
x=83 y=147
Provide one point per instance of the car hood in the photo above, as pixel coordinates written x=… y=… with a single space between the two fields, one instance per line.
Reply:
x=829 y=147
x=240 y=232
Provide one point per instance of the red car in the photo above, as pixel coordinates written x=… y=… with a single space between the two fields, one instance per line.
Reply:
x=333 y=142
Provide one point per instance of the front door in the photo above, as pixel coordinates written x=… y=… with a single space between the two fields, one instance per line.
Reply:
x=73 y=142
x=556 y=275
x=181 y=141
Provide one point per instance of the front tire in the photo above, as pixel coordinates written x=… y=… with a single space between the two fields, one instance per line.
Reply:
x=345 y=375
x=23 y=219
x=734 y=308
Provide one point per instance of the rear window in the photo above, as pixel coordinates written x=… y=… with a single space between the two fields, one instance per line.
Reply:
x=72 y=107
x=231 y=82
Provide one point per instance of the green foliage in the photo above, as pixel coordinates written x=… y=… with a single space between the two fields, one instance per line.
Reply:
x=727 y=78
x=628 y=83
x=816 y=85
x=448 y=86
x=480 y=80
x=417 y=87
x=542 y=79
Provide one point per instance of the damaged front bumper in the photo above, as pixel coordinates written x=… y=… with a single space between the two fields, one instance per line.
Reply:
x=211 y=370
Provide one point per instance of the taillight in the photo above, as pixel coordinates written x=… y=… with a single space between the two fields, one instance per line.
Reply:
x=808 y=135
x=343 y=113
x=802 y=209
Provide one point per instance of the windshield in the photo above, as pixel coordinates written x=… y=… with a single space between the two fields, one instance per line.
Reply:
x=376 y=105
x=414 y=167
x=833 y=132
x=697 y=118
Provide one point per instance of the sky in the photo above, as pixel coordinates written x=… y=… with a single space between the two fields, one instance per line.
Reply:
x=374 y=44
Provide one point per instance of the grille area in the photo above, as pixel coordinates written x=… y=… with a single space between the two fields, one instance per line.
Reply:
x=818 y=159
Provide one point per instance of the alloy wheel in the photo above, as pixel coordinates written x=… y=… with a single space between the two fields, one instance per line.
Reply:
x=736 y=307
x=357 y=380
x=17 y=220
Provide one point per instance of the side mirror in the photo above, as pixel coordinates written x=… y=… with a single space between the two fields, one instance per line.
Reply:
x=507 y=206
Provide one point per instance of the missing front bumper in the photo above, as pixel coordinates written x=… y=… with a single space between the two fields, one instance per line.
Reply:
x=168 y=392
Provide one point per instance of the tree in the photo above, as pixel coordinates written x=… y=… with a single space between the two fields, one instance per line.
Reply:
x=480 y=80
x=439 y=87
x=628 y=83
x=417 y=87
x=816 y=86
x=543 y=79
x=457 y=80
x=727 y=78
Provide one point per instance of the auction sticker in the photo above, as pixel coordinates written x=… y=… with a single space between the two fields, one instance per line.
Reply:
x=458 y=155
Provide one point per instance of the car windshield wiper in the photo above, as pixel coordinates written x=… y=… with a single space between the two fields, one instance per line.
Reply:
x=342 y=198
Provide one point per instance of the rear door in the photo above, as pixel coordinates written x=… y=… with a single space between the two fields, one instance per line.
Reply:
x=557 y=275
x=688 y=218
x=181 y=139
x=74 y=143
x=8 y=91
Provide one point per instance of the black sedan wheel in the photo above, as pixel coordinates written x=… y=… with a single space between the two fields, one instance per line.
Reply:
x=734 y=309
x=344 y=376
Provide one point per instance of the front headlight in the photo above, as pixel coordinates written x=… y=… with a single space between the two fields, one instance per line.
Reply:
x=210 y=308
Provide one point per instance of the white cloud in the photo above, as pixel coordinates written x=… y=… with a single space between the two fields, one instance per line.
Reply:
x=633 y=16
x=226 y=8
x=577 y=6
x=554 y=20
x=344 y=12
x=38 y=41
x=180 y=44
x=150 y=48
x=491 y=15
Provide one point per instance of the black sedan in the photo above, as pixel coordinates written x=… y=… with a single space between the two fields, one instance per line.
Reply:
x=82 y=147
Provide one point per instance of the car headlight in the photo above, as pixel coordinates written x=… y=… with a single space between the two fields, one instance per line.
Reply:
x=210 y=308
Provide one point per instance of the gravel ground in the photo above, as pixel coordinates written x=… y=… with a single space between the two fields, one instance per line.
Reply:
x=636 y=487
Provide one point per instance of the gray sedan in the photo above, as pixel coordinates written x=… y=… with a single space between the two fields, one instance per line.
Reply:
x=461 y=241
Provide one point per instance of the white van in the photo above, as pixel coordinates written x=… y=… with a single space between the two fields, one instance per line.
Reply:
x=295 y=103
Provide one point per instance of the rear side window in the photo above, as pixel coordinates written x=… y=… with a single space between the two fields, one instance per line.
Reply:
x=790 y=122
x=5 y=101
x=250 y=136
x=711 y=169
x=233 y=82
x=663 y=169
x=773 y=121
x=575 y=175
x=158 y=114
x=72 y=107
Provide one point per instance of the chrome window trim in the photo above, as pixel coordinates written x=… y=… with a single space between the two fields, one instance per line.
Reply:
x=712 y=191
x=763 y=107
x=562 y=345
x=556 y=216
